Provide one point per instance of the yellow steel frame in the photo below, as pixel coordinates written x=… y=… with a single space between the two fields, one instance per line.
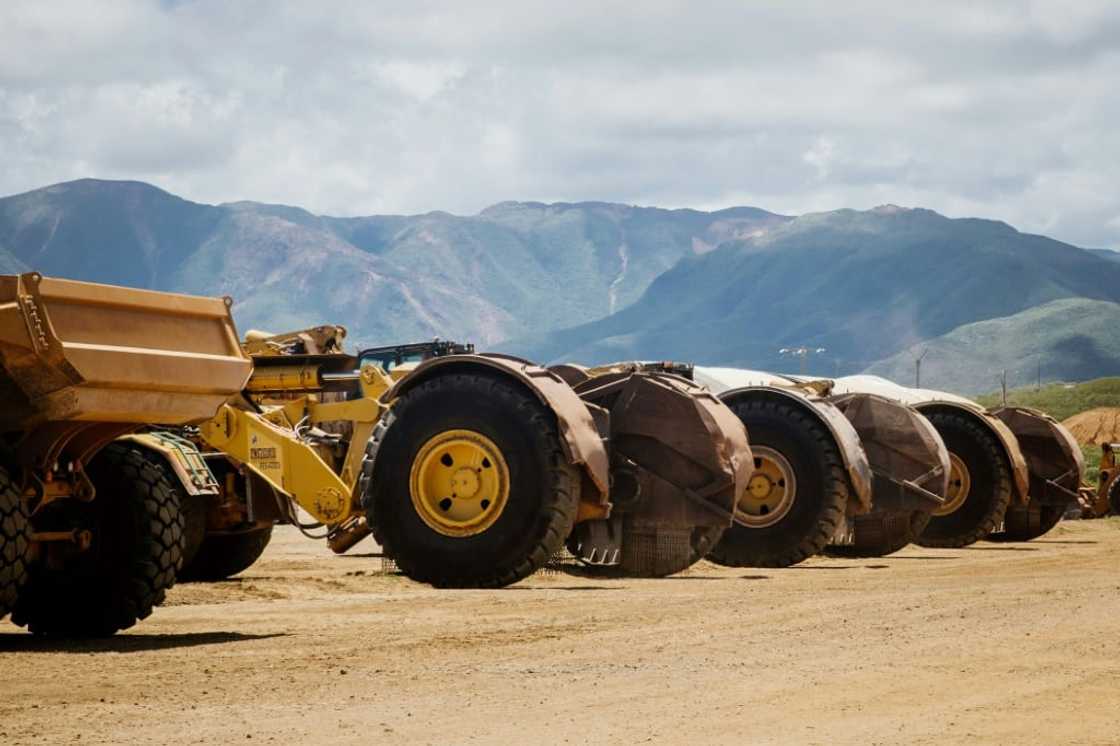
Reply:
x=268 y=445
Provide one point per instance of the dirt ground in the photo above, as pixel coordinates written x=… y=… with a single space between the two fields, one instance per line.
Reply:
x=993 y=644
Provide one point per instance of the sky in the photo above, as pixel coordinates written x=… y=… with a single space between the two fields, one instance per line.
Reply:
x=1006 y=110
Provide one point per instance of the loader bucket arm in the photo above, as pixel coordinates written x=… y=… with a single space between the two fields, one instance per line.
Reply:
x=287 y=464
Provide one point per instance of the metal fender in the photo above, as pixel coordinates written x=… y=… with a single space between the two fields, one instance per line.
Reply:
x=579 y=436
x=1054 y=459
x=182 y=457
x=904 y=448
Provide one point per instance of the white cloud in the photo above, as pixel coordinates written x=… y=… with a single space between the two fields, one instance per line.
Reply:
x=1006 y=109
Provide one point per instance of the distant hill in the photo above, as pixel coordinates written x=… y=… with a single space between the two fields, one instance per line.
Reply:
x=1109 y=254
x=862 y=285
x=1073 y=339
x=513 y=270
x=596 y=281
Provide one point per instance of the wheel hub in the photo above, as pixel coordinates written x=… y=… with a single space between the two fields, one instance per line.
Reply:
x=465 y=483
x=760 y=486
x=770 y=492
x=459 y=483
x=960 y=482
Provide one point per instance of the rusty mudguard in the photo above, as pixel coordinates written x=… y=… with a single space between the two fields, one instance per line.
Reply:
x=908 y=457
x=679 y=460
x=929 y=401
x=671 y=438
x=1054 y=459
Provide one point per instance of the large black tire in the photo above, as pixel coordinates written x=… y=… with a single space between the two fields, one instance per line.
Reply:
x=820 y=500
x=15 y=541
x=543 y=487
x=136 y=550
x=880 y=534
x=990 y=493
x=1022 y=523
x=223 y=554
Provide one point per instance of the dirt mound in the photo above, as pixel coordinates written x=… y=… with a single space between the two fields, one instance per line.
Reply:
x=1096 y=426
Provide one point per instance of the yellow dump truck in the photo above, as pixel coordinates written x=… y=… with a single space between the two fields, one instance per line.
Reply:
x=91 y=526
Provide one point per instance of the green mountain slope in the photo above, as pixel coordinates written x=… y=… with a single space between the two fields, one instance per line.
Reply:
x=1061 y=400
x=596 y=281
x=512 y=270
x=125 y=232
x=1072 y=339
x=862 y=285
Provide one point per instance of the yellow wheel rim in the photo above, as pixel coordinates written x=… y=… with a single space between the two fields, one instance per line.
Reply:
x=770 y=492
x=459 y=483
x=960 y=482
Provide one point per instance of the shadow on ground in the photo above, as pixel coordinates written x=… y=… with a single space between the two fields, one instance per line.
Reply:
x=1064 y=541
x=23 y=642
x=892 y=557
x=564 y=588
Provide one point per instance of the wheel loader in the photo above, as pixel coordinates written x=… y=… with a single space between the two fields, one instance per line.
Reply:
x=1104 y=499
x=667 y=492
x=333 y=411
x=476 y=470
x=895 y=469
x=1013 y=470
x=946 y=472
x=852 y=473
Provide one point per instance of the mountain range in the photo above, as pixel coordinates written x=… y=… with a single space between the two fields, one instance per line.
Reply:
x=597 y=281
x=515 y=269
x=862 y=286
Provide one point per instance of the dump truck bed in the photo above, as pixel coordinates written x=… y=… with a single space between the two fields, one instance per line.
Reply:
x=83 y=352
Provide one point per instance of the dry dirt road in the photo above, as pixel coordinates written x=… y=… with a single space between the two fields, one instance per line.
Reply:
x=992 y=644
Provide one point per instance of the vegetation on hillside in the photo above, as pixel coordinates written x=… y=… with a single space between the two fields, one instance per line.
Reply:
x=863 y=286
x=1092 y=464
x=516 y=269
x=1071 y=339
x=1061 y=400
